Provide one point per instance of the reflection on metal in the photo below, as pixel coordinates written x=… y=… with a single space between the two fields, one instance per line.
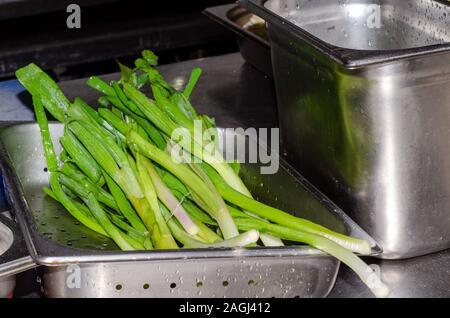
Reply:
x=389 y=161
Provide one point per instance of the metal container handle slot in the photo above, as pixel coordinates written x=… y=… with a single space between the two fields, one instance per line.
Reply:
x=15 y=257
x=254 y=48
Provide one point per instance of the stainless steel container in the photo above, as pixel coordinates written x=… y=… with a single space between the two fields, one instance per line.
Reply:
x=80 y=263
x=363 y=89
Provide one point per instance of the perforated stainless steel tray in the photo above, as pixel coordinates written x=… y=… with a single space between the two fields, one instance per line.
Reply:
x=55 y=238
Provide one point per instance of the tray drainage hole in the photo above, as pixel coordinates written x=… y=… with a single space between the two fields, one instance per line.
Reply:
x=251 y=282
x=118 y=287
x=146 y=286
x=225 y=283
x=45 y=169
x=173 y=285
x=199 y=284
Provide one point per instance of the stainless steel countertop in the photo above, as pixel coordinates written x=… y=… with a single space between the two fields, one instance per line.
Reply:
x=240 y=96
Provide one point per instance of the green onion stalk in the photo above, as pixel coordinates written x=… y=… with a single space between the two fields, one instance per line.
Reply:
x=151 y=151
x=283 y=218
x=185 y=120
x=365 y=272
x=194 y=182
x=245 y=239
x=165 y=195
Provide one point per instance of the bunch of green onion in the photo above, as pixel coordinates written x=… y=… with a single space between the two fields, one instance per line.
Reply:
x=116 y=176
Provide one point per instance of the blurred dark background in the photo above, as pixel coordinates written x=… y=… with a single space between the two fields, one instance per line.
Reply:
x=36 y=31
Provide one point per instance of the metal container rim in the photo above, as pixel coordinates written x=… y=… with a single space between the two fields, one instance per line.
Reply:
x=348 y=58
